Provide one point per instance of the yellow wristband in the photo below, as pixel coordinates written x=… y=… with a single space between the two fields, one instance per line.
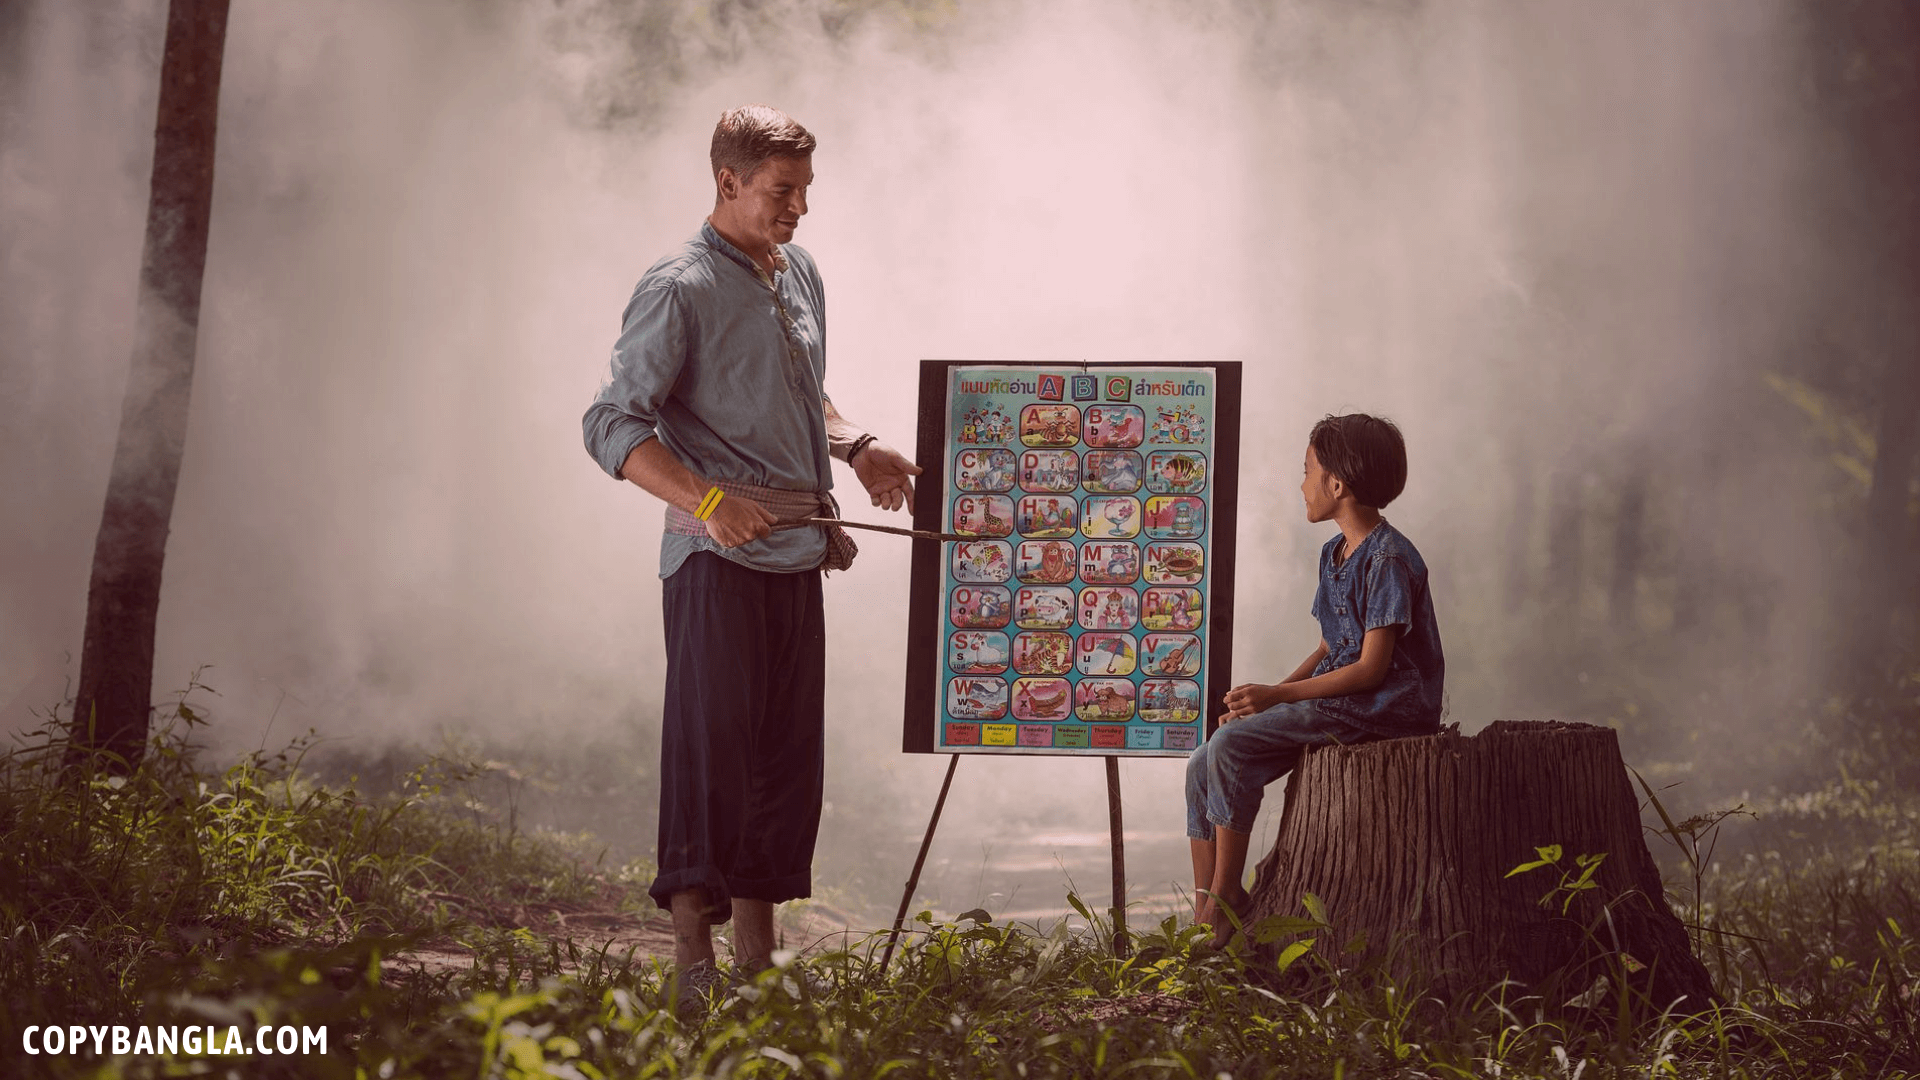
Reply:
x=707 y=505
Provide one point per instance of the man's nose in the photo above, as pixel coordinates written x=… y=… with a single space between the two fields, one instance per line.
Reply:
x=798 y=204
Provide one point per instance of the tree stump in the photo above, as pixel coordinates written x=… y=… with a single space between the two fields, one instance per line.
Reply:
x=1408 y=845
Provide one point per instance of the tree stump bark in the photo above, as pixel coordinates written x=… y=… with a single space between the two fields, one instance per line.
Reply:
x=1408 y=845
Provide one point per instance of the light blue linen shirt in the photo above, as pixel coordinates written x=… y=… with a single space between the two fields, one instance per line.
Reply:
x=704 y=364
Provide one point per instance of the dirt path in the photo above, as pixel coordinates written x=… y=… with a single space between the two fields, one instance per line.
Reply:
x=806 y=928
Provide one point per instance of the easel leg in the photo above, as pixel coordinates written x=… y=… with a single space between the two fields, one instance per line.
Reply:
x=913 y=881
x=1121 y=949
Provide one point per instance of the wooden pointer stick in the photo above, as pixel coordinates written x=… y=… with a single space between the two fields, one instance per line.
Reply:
x=918 y=534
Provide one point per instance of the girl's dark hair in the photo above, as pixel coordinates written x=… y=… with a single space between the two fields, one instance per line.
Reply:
x=1364 y=452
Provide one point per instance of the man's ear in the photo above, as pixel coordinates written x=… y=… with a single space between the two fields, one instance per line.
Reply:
x=727 y=184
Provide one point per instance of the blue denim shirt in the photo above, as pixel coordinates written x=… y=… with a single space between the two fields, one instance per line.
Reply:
x=704 y=364
x=1384 y=583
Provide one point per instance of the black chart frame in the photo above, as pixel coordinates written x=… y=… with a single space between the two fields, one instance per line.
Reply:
x=930 y=500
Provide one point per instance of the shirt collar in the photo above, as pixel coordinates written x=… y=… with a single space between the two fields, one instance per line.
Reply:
x=1336 y=565
x=711 y=236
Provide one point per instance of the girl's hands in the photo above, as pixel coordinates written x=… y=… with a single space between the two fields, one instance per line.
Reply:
x=1249 y=698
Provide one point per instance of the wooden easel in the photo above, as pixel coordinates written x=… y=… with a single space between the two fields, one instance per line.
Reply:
x=926 y=597
x=1121 y=948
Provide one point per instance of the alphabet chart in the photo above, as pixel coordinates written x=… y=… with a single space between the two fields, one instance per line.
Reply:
x=1078 y=615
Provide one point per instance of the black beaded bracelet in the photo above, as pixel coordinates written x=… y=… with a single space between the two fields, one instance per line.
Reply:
x=859 y=444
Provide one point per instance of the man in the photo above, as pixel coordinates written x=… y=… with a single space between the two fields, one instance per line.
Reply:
x=714 y=403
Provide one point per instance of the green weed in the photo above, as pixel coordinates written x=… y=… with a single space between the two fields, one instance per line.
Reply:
x=258 y=895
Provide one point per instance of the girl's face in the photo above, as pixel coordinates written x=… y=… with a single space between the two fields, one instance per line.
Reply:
x=1318 y=489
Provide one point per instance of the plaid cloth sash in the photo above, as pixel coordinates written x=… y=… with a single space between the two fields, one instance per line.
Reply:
x=786 y=507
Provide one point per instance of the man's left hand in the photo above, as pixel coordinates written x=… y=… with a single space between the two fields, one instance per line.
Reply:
x=887 y=476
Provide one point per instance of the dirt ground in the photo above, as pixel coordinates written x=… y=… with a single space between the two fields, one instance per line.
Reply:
x=808 y=927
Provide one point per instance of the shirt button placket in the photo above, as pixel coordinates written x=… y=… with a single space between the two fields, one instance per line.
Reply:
x=787 y=330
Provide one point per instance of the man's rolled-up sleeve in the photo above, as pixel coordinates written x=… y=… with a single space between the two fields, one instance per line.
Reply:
x=646 y=361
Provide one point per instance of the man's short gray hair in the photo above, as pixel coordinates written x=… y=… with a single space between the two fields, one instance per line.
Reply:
x=746 y=137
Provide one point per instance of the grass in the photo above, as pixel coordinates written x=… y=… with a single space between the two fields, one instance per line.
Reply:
x=112 y=888
x=256 y=895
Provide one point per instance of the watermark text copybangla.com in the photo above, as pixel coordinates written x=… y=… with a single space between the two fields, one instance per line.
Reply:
x=196 y=1040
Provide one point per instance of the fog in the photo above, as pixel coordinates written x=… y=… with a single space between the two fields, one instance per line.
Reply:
x=1561 y=244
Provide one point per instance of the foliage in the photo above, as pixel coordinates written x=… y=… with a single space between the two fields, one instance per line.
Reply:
x=256 y=897
x=1573 y=880
x=628 y=63
x=112 y=886
x=975 y=998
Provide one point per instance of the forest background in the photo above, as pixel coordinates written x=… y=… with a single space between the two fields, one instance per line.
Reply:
x=1637 y=280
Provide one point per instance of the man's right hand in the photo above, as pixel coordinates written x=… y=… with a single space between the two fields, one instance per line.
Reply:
x=737 y=520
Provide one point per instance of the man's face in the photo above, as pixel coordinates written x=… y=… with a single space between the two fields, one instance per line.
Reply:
x=766 y=209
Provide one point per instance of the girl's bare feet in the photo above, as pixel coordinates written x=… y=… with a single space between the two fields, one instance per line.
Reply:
x=1217 y=908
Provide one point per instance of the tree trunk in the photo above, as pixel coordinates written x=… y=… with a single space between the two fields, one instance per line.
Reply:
x=1566 y=520
x=1409 y=843
x=1885 y=596
x=1891 y=136
x=1629 y=542
x=1520 y=580
x=113 y=704
x=1868 y=91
